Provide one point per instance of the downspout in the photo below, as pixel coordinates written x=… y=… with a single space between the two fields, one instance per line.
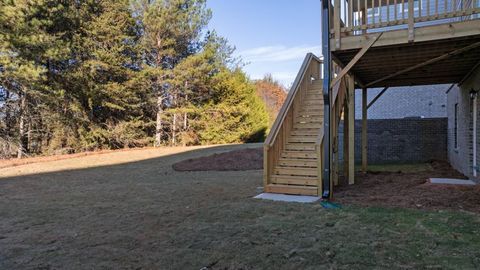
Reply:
x=326 y=193
x=474 y=135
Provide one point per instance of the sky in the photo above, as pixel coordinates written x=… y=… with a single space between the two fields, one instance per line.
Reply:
x=271 y=36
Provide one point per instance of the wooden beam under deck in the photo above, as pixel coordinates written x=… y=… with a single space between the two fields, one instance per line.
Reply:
x=428 y=62
x=355 y=59
x=419 y=63
x=376 y=97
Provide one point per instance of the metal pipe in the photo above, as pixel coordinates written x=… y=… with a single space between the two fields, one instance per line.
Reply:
x=474 y=135
x=326 y=192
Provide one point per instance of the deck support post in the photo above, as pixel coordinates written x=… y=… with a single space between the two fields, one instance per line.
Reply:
x=364 y=130
x=349 y=132
x=335 y=152
x=350 y=125
x=346 y=142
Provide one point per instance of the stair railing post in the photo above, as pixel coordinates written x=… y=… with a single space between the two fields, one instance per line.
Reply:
x=266 y=166
x=411 y=20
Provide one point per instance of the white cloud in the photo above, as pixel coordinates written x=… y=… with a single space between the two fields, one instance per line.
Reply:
x=277 y=53
x=281 y=61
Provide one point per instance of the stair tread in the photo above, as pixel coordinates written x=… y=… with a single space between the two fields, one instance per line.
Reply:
x=292 y=189
x=299 y=137
x=292 y=168
x=299 y=154
x=293 y=186
x=294 y=180
x=298 y=177
x=316 y=119
x=296 y=159
x=302 y=139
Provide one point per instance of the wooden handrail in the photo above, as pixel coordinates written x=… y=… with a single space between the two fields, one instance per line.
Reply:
x=290 y=98
x=320 y=136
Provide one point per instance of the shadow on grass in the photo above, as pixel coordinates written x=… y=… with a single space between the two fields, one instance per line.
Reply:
x=154 y=162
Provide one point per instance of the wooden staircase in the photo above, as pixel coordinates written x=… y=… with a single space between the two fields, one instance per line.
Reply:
x=292 y=150
x=297 y=169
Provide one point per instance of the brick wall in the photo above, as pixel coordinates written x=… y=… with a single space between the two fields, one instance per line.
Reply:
x=460 y=157
x=428 y=101
x=401 y=140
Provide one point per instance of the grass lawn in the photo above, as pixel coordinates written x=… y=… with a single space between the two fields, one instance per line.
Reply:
x=138 y=213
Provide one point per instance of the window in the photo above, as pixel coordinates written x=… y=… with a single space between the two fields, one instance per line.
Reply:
x=455 y=128
x=373 y=12
x=403 y=7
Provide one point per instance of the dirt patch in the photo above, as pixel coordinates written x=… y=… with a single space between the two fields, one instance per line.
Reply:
x=237 y=160
x=404 y=187
x=410 y=190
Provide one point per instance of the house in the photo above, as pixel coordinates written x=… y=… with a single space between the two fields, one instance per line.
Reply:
x=463 y=123
x=368 y=45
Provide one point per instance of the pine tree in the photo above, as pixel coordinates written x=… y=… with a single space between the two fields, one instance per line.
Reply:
x=83 y=75
x=171 y=32
x=235 y=113
x=97 y=79
x=192 y=82
x=27 y=43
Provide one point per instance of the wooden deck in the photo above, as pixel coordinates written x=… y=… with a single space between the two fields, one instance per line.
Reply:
x=406 y=42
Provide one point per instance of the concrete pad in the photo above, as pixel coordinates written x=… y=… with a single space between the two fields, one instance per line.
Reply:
x=287 y=198
x=450 y=181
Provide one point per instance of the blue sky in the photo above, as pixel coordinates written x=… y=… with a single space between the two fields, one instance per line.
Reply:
x=273 y=36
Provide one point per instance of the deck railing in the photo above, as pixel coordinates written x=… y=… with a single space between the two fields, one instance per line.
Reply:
x=357 y=17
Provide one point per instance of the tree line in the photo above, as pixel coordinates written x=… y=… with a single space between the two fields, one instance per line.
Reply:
x=106 y=74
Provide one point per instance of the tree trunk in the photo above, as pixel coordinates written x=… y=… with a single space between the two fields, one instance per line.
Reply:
x=29 y=136
x=185 y=117
x=8 y=127
x=174 y=124
x=21 y=129
x=174 y=129
x=159 y=126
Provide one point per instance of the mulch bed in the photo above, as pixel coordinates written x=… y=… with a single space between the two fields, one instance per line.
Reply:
x=411 y=190
x=238 y=160
x=389 y=189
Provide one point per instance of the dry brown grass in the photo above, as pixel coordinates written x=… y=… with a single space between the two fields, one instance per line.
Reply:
x=141 y=214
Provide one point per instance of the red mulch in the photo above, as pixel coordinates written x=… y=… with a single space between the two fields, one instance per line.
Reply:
x=388 y=189
x=238 y=160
